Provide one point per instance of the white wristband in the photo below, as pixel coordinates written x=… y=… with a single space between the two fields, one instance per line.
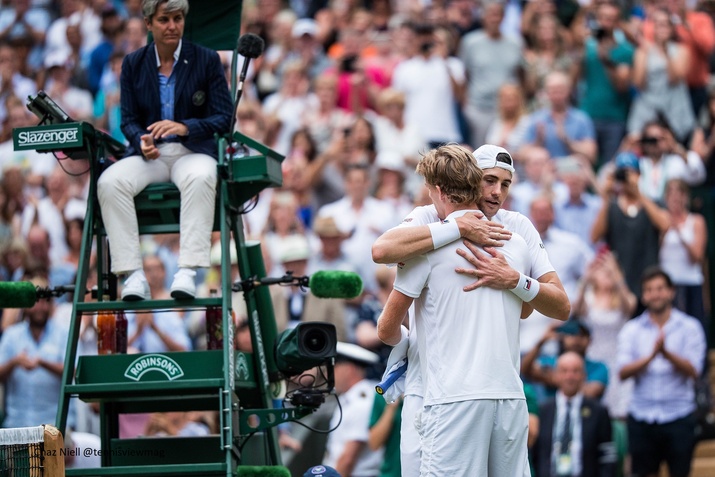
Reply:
x=527 y=288
x=444 y=233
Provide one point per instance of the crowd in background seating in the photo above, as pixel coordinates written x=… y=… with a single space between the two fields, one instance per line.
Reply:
x=352 y=92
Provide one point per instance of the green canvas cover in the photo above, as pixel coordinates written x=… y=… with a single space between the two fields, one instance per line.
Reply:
x=214 y=24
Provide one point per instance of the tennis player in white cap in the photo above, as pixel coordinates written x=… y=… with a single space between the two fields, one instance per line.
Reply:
x=422 y=231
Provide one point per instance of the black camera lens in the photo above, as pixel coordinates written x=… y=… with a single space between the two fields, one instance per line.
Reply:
x=348 y=64
x=649 y=140
x=316 y=341
x=305 y=346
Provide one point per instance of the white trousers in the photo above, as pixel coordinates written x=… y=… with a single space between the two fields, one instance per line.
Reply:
x=409 y=436
x=481 y=437
x=193 y=174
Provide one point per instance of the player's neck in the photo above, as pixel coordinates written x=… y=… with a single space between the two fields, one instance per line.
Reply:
x=451 y=208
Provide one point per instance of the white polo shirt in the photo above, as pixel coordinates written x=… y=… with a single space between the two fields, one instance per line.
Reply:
x=468 y=342
x=512 y=221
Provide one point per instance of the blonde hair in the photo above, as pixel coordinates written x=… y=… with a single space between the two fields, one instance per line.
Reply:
x=325 y=80
x=453 y=169
x=390 y=96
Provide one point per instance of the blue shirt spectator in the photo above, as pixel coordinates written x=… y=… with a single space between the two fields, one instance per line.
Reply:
x=32 y=355
x=560 y=128
x=158 y=332
x=664 y=350
x=577 y=212
x=662 y=393
x=576 y=124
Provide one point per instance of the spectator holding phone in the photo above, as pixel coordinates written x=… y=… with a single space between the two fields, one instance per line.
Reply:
x=629 y=222
x=663 y=158
x=606 y=74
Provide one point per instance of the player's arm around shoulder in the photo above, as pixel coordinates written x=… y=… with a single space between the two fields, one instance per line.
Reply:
x=409 y=239
x=400 y=244
x=420 y=232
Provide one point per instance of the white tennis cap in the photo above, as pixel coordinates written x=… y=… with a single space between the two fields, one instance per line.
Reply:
x=489 y=156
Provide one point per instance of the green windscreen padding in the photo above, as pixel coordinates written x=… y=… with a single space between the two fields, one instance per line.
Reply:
x=214 y=24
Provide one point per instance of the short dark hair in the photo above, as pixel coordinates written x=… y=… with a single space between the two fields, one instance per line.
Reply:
x=505 y=158
x=422 y=28
x=654 y=271
x=357 y=166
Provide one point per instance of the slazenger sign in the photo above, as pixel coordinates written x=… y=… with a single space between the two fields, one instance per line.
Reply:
x=153 y=362
x=58 y=136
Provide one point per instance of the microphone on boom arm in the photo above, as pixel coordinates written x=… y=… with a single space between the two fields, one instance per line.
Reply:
x=323 y=283
x=250 y=46
x=26 y=294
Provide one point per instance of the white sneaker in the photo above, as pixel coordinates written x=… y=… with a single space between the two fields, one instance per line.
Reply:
x=135 y=287
x=184 y=285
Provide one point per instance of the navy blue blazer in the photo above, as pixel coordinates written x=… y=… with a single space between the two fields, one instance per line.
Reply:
x=202 y=99
x=598 y=458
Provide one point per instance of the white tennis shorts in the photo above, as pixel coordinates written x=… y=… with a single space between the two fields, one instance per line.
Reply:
x=484 y=437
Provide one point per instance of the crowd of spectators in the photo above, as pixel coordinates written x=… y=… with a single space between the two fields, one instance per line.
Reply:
x=607 y=108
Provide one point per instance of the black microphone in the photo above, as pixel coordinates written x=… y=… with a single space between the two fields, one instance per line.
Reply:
x=26 y=294
x=250 y=46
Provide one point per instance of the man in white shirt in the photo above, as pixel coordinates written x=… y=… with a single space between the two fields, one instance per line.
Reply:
x=468 y=342
x=538 y=178
x=361 y=218
x=422 y=231
x=36 y=167
x=429 y=83
x=664 y=350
